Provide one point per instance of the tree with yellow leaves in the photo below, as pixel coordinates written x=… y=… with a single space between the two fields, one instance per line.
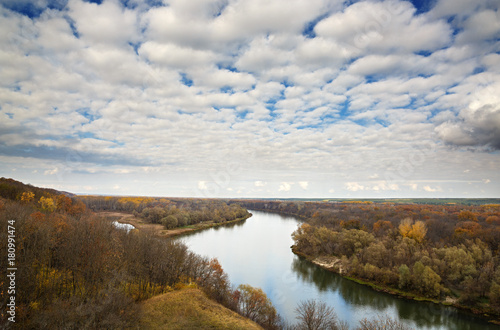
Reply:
x=416 y=230
x=27 y=196
x=405 y=227
x=47 y=204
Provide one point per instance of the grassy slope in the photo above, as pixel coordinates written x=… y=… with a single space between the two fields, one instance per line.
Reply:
x=190 y=309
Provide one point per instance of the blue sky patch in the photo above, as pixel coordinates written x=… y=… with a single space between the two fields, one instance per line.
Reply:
x=185 y=80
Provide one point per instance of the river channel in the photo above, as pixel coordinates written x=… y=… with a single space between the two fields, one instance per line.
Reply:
x=257 y=252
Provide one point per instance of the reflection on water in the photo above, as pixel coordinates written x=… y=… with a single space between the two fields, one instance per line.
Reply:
x=124 y=226
x=257 y=251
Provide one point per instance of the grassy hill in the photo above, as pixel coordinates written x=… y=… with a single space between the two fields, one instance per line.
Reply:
x=189 y=308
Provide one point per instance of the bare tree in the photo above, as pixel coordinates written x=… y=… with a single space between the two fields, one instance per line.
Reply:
x=315 y=315
x=381 y=323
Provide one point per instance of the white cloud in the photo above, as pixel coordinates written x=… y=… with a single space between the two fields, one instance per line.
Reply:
x=481 y=26
x=354 y=186
x=106 y=23
x=304 y=184
x=384 y=27
x=51 y=172
x=173 y=95
x=202 y=185
x=176 y=56
x=413 y=186
x=285 y=186
x=122 y=171
x=431 y=189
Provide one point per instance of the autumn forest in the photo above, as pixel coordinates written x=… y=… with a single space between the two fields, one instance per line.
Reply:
x=77 y=270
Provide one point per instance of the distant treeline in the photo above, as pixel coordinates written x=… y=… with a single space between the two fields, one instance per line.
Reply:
x=432 y=251
x=170 y=212
x=427 y=201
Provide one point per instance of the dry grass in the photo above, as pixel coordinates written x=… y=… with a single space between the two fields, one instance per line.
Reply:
x=189 y=308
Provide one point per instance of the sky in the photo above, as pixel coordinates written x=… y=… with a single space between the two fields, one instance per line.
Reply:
x=252 y=98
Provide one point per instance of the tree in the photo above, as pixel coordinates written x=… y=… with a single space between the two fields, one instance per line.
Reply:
x=493 y=219
x=404 y=276
x=254 y=304
x=315 y=315
x=495 y=295
x=169 y=222
x=381 y=323
x=426 y=281
x=405 y=227
x=465 y=215
x=47 y=204
x=431 y=282
x=418 y=231
x=216 y=282
x=27 y=196
x=382 y=227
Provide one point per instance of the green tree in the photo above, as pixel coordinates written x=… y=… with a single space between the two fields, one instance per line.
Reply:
x=404 y=276
x=425 y=280
x=495 y=296
x=169 y=222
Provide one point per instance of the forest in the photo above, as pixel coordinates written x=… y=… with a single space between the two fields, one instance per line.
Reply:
x=76 y=270
x=170 y=212
x=444 y=252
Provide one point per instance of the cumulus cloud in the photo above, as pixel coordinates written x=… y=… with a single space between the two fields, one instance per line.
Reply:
x=473 y=127
x=354 y=186
x=285 y=186
x=175 y=95
x=202 y=185
x=371 y=186
x=432 y=189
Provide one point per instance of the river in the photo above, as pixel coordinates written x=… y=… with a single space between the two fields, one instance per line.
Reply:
x=257 y=252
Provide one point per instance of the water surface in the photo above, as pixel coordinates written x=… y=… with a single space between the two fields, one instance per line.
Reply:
x=257 y=252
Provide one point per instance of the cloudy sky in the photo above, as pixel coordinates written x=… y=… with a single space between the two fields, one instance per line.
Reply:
x=252 y=98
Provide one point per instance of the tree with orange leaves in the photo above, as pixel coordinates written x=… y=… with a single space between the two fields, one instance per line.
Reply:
x=465 y=215
x=254 y=304
x=382 y=226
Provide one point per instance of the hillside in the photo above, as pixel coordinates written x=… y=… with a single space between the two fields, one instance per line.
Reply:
x=189 y=308
x=75 y=270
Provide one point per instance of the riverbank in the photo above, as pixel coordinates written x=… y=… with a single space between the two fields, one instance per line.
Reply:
x=334 y=265
x=159 y=230
x=301 y=217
